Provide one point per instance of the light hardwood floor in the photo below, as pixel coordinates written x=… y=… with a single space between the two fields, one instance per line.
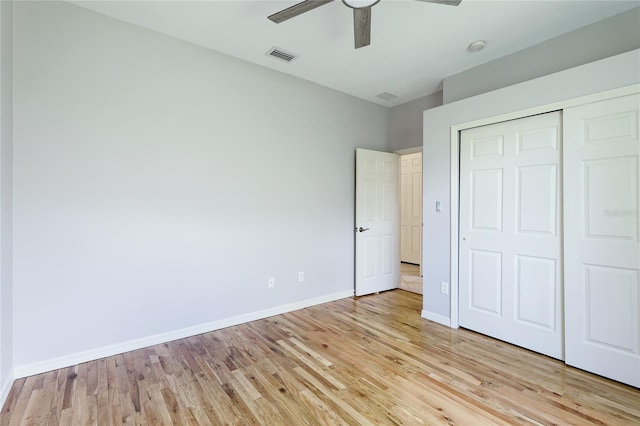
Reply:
x=370 y=360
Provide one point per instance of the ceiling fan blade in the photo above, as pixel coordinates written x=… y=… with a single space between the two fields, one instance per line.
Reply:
x=446 y=2
x=297 y=9
x=362 y=26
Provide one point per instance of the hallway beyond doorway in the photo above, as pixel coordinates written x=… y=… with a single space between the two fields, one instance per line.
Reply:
x=410 y=278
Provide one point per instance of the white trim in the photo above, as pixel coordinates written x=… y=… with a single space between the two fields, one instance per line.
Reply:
x=455 y=172
x=406 y=151
x=6 y=387
x=455 y=213
x=440 y=319
x=77 y=358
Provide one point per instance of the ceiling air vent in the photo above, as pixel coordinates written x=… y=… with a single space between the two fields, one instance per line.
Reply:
x=386 y=96
x=278 y=53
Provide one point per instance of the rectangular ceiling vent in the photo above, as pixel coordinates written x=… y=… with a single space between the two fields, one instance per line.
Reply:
x=386 y=96
x=281 y=54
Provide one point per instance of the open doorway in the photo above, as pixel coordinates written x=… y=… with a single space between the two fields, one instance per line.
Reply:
x=411 y=222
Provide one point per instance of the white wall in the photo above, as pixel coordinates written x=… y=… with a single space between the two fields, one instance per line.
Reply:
x=609 y=37
x=6 y=146
x=159 y=184
x=617 y=71
x=405 y=121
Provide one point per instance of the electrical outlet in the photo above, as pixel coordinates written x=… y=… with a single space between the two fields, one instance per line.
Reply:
x=272 y=282
x=444 y=288
x=300 y=277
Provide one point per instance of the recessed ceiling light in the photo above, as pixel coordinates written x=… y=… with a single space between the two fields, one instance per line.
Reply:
x=477 y=46
x=386 y=96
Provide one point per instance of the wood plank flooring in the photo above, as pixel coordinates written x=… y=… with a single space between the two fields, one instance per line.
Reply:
x=365 y=361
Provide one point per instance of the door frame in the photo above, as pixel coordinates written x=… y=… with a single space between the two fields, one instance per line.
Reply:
x=455 y=172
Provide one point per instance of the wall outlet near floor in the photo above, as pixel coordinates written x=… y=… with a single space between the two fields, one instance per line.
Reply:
x=272 y=282
x=444 y=288
x=300 y=277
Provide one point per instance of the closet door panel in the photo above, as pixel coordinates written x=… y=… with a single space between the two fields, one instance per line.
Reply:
x=601 y=244
x=510 y=275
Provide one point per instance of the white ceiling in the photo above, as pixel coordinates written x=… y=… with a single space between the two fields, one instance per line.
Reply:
x=414 y=45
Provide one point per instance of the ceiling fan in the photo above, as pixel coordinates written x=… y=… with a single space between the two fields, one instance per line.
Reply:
x=361 y=15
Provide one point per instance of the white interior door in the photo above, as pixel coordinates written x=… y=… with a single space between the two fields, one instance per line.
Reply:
x=510 y=232
x=411 y=207
x=377 y=222
x=602 y=260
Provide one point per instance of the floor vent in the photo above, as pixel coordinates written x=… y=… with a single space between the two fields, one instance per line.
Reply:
x=278 y=53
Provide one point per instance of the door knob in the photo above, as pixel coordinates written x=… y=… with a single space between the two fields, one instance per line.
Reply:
x=361 y=229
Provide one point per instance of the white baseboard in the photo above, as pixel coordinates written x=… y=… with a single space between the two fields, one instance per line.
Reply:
x=78 y=358
x=4 y=391
x=440 y=319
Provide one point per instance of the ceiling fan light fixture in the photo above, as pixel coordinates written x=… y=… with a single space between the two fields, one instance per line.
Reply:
x=359 y=4
x=361 y=15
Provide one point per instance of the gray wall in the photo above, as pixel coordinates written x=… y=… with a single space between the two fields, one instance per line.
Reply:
x=6 y=146
x=405 y=121
x=620 y=33
x=618 y=71
x=159 y=184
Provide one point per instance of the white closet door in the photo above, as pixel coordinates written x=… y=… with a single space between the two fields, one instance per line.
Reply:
x=602 y=259
x=411 y=207
x=510 y=232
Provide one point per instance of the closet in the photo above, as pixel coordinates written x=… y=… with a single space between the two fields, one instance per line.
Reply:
x=549 y=252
